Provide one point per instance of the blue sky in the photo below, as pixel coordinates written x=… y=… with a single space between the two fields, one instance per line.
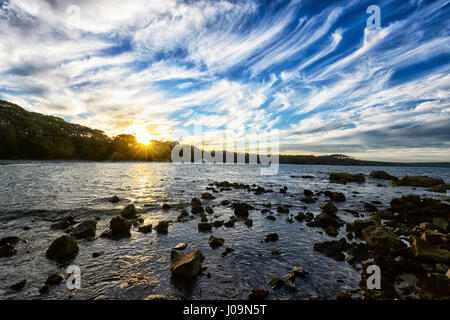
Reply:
x=309 y=70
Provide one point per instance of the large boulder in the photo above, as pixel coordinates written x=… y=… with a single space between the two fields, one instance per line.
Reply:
x=129 y=212
x=86 y=229
x=418 y=181
x=187 y=265
x=341 y=177
x=379 y=236
x=378 y=174
x=63 y=248
x=426 y=251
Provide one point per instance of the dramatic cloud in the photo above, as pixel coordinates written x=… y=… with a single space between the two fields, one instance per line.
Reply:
x=311 y=70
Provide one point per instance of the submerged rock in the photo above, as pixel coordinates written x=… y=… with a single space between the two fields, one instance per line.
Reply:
x=97 y=254
x=19 y=285
x=215 y=242
x=86 y=229
x=54 y=279
x=248 y=222
x=63 y=248
x=271 y=237
x=258 y=294
x=187 y=265
x=282 y=209
x=275 y=283
x=114 y=199
x=333 y=249
x=129 y=212
x=204 y=227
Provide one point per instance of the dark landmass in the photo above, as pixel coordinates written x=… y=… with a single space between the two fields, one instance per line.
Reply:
x=34 y=136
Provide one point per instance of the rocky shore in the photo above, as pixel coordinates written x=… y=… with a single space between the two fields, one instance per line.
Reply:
x=408 y=238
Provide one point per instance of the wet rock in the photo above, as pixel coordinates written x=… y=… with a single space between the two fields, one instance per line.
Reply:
x=275 y=283
x=435 y=238
x=225 y=203
x=333 y=249
x=155 y=297
x=10 y=240
x=61 y=225
x=267 y=205
x=227 y=251
x=447 y=274
x=328 y=207
x=204 y=219
x=379 y=236
x=215 y=242
x=290 y=277
x=325 y=219
x=308 y=200
x=180 y=246
x=218 y=223
x=299 y=271
x=204 y=227
x=229 y=223
x=19 y=285
x=358 y=225
x=166 y=206
x=335 y=196
x=444 y=198
x=341 y=177
x=343 y=296
x=300 y=217
x=331 y=231
x=271 y=237
x=97 y=254
x=426 y=251
x=289 y=220
x=309 y=216
x=188 y=265
x=183 y=215
x=241 y=210
x=44 y=290
x=209 y=210
x=288 y=285
x=162 y=227
x=26 y=228
x=358 y=252
x=63 y=248
x=377 y=174
x=370 y=207
x=275 y=252
x=440 y=224
x=119 y=227
x=282 y=209
x=129 y=212
x=258 y=294
x=145 y=228
x=196 y=206
x=248 y=222
x=308 y=193
x=208 y=196
x=86 y=229
x=54 y=279
x=270 y=217
x=114 y=199
x=418 y=181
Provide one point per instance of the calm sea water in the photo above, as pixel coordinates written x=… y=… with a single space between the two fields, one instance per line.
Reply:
x=36 y=194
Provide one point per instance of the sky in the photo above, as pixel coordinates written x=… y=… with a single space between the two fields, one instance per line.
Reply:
x=311 y=71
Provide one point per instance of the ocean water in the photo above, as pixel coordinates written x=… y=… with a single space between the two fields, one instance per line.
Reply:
x=37 y=194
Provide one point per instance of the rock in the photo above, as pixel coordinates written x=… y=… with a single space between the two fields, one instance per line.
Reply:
x=229 y=223
x=155 y=297
x=325 y=220
x=418 y=181
x=343 y=296
x=442 y=188
x=440 y=224
x=114 y=199
x=378 y=236
x=290 y=277
x=299 y=271
x=258 y=294
x=26 y=228
x=63 y=248
x=328 y=207
x=358 y=225
x=308 y=200
x=208 y=196
x=275 y=252
x=370 y=207
x=215 y=242
x=97 y=254
x=333 y=249
x=209 y=210
x=444 y=198
x=272 y=218
x=282 y=209
x=275 y=283
x=44 y=290
x=10 y=240
x=187 y=265
x=119 y=227
x=300 y=216
x=145 y=228
x=180 y=246
x=241 y=210
x=267 y=205
x=227 y=251
x=225 y=203
x=331 y=231
x=165 y=206
x=204 y=219
x=61 y=225
x=204 y=227
x=184 y=214
x=86 y=229
x=447 y=274
x=19 y=285
x=308 y=193
x=335 y=196
x=54 y=279
x=435 y=238
x=162 y=227
x=426 y=251
x=346 y=177
x=129 y=212
x=376 y=174
x=271 y=237
x=218 y=223
x=288 y=285
x=248 y=222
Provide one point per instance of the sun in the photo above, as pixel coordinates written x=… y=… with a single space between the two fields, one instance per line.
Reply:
x=143 y=137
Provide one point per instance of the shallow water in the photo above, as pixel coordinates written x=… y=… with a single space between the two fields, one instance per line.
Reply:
x=36 y=194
